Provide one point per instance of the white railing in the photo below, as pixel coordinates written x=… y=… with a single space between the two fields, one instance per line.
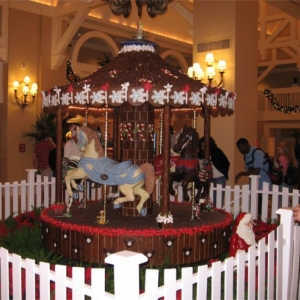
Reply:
x=18 y=197
x=251 y=275
x=245 y=198
x=37 y=191
x=277 y=273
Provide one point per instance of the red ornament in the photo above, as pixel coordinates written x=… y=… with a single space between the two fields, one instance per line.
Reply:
x=70 y=88
x=147 y=86
x=186 y=88
x=105 y=86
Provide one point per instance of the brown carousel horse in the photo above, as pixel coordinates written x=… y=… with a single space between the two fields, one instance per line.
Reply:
x=189 y=168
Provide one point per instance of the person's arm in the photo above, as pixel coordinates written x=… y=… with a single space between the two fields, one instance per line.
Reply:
x=284 y=162
x=253 y=171
x=50 y=140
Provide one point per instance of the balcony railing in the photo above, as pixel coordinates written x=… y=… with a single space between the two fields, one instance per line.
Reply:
x=284 y=96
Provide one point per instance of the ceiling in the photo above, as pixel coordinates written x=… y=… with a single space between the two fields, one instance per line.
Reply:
x=163 y=30
x=290 y=7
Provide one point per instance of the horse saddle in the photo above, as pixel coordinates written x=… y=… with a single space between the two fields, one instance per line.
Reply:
x=107 y=171
x=187 y=163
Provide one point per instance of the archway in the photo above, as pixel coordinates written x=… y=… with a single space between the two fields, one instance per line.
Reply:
x=183 y=64
x=83 y=69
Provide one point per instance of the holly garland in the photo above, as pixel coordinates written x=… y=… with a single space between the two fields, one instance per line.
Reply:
x=285 y=109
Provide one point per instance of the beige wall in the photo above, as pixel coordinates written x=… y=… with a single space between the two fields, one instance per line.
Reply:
x=29 y=43
x=236 y=20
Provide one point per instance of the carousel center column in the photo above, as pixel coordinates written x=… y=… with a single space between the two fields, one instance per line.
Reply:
x=136 y=144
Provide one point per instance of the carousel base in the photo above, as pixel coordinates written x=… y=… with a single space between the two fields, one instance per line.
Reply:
x=82 y=237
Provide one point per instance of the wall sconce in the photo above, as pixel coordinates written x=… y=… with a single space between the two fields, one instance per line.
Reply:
x=197 y=73
x=26 y=97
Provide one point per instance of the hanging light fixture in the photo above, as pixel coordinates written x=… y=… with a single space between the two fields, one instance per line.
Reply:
x=154 y=8
x=197 y=73
x=27 y=95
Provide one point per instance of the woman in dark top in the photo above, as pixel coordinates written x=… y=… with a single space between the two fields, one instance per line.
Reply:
x=220 y=163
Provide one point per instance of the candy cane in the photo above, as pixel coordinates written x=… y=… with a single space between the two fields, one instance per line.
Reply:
x=150 y=129
x=129 y=131
x=121 y=131
x=140 y=130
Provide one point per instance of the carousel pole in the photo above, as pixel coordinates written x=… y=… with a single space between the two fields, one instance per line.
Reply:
x=160 y=152
x=207 y=142
x=105 y=154
x=58 y=182
x=116 y=141
x=193 y=183
x=206 y=133
x=85 y=181
x=166 y=158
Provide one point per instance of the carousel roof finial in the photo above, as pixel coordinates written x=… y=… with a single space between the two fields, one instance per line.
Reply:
x=140 y=33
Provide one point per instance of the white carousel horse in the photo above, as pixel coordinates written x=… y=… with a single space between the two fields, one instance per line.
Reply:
x=94 y=165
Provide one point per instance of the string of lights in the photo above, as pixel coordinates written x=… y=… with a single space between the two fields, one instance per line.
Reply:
x=285 y=109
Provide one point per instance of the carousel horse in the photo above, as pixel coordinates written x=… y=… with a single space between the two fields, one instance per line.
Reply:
x=93 y=165
x=188 y=166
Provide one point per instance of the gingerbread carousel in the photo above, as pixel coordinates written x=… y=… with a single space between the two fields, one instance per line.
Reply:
x=133 y=84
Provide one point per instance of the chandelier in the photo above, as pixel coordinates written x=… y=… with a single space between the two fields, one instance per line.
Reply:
x=212 y=66
x=123 y=7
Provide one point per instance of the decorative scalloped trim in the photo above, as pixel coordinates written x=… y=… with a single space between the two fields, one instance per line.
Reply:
x=137 y=48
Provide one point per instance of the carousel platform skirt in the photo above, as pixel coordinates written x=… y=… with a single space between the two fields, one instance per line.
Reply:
x=81 y=237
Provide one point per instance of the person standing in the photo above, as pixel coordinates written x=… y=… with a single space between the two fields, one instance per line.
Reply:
x=40 y=156
x=289 y=163
x=219 y=161
x=256 y=164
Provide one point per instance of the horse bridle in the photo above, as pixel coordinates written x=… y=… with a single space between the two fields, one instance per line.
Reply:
x=190 y=138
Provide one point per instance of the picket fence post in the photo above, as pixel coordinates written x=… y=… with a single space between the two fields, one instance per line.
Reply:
x=31 y=186
x=126 y=273
x=286 y=218
x=253 y=209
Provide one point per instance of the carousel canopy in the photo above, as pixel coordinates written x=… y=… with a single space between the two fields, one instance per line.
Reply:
x=138 y=75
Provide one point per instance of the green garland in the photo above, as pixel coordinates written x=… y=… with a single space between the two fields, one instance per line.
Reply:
x=285 y=109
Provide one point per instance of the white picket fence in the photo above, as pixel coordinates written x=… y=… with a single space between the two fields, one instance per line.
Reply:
x=274 y=266
x=22 y=196
x=268 y=271
x=245 y=198
x=37 y=191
